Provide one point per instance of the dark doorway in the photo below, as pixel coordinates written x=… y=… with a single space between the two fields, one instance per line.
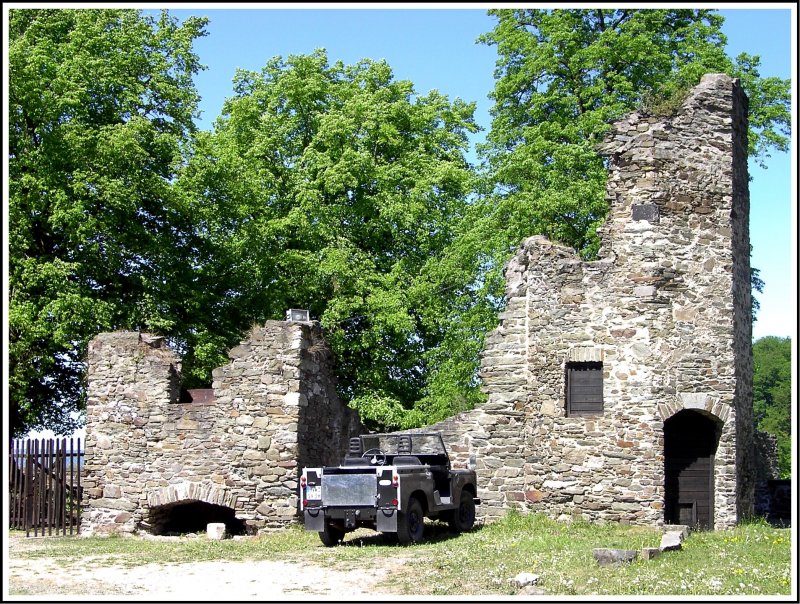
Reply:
x=192 y=517
x=690 y=444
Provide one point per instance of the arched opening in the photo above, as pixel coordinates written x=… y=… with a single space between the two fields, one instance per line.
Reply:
x=192 y=516
x=690 y=444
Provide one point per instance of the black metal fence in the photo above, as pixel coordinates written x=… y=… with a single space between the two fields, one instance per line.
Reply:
x=45 y=486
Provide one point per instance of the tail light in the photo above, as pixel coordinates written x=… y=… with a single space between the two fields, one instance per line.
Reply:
x=395 y=480
x=302 y=481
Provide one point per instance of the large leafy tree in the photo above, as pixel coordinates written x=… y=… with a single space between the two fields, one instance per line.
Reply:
x=562 y=77
x=101 y=103
x=772 y=394
x=328 y=187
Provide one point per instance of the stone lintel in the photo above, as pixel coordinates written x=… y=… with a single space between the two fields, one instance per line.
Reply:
x=585 y=354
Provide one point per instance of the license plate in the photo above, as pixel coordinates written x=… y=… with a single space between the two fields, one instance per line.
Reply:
x=314 y=493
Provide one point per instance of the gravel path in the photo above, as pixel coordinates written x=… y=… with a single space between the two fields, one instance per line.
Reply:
x=209 y=580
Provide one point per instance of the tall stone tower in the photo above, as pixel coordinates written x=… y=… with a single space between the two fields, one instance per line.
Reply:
x=621 y=389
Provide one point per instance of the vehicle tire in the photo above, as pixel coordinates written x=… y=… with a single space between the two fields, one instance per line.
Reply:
x=331 y=535
x=463 y=518
x=411 y=523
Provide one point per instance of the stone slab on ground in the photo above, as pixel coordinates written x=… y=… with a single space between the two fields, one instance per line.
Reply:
x=608 y=556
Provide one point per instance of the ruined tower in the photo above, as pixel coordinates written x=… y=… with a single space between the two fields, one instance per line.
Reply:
x=620 y=389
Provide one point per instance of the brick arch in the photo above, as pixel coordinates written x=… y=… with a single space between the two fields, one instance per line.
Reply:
x=695 y=401
x=206 y=491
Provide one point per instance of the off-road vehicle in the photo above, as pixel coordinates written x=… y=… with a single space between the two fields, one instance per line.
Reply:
x=389 y=483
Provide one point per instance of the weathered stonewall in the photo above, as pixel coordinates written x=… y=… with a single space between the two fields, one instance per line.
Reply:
x=663 y=316
x=661 y=322
x=240 y=445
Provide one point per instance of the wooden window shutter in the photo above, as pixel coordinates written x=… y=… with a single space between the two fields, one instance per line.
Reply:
x=584 y=388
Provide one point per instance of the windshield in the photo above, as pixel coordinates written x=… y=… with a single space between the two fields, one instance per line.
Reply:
x=394 y=444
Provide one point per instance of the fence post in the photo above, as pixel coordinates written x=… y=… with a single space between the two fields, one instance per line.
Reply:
x=36 y=486
x=50 y=494
x=71 y=496
x=14 y=508
x=79 y=490
x=12 y=465
x=26 y=488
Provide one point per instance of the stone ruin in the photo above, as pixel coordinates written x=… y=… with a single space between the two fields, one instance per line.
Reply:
x=655 y=337
x=618 y=389
x=166 y=460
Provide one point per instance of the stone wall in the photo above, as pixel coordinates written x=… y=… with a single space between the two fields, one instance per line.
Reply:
x=666 y=310
x=766 y=471
x=271 y=409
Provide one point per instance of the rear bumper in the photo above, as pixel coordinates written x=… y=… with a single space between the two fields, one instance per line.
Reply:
x=383 y=520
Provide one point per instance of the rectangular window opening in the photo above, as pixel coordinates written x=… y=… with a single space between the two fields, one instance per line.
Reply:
x=584 y=388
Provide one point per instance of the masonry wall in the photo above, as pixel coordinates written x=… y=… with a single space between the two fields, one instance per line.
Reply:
x=272 y=409
x=666 y=310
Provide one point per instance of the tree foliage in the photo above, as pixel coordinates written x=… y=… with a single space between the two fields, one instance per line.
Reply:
x=100 y=104
x=564 y=76
x=329 y=187
x=561 y=78
x=772 y=393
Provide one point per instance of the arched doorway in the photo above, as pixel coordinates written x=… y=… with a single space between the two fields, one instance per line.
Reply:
x=690 y=444
x=192 y=517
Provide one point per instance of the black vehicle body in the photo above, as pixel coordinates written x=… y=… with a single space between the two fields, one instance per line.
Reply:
x=389 y=483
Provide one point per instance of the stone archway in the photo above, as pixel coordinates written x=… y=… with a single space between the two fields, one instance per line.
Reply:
x=192 y=516
x=188 y=507
x=198 y=490
x=691 y=439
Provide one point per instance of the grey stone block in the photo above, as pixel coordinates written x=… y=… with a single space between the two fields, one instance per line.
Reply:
x=608 y=557
x=215 y=530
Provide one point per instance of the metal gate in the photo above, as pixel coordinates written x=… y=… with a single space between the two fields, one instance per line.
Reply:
x=45 y=486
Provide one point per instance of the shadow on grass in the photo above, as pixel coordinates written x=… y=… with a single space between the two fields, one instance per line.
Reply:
x=435 y=532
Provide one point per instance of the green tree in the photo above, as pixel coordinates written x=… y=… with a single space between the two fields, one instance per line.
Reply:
x=329 y=187
x=772 y=393
x=562 y=77
x=101 y=103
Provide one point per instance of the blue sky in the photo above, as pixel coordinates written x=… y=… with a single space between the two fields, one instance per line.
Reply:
x=434 y=47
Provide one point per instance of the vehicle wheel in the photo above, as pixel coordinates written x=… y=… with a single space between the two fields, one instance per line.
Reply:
x=463 y=518
x=331 y=535
x=411 y=523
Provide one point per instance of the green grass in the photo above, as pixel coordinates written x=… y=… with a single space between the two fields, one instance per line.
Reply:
x=749 y=560
x=753 y=559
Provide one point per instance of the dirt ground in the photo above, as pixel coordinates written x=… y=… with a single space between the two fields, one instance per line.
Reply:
x=209 y=581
